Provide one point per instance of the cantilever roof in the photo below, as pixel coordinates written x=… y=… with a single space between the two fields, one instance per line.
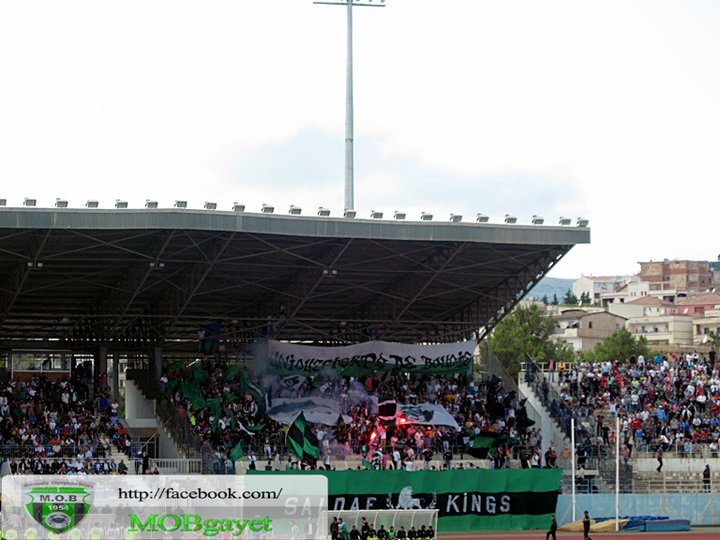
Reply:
x=159 y=276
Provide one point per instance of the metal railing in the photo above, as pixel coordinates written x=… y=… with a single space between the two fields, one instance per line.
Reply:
x=11 y=451
x=177 y=466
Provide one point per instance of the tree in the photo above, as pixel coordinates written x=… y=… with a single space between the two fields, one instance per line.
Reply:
x=527 y=330
x=714 y=339
x=570 y=299
x=585 y=299
x=545 y=300
x=555 y=301
x=621 y=345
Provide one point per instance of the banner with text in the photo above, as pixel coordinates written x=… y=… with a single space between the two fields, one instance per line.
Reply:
x=366 y=358
x=466 y=500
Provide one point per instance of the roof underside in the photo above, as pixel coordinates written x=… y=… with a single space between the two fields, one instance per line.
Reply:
x=131 y=278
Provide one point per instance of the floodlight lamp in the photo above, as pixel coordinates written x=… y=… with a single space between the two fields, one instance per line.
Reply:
x=149 y=203
x=120 y=204
x=582 y=222
x=29 y=202
x=210 y=205
x=537 y=220
x=456 y=218
x=349 y=213
x=424 y=216
x=565 y=221
x=399 y=215
x=482 y=218
x=237 y=207
x=267 y=209
x=180 y=204
x=3 y=202
x=376 y=215
x=322 y=211
x=60 y=203
x=295 y=210
x=510 y=219
x=92 y=203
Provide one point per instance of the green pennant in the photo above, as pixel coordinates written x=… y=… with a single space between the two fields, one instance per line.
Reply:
x=176 y=365
x=231 y=372
x=199 y=375
x=236 y=452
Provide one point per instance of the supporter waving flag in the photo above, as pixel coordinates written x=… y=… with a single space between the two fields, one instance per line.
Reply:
x=301 y=441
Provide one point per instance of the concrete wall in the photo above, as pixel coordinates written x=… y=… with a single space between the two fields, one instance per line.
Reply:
x=137 y=406
x=699 y=508
x=167 y=448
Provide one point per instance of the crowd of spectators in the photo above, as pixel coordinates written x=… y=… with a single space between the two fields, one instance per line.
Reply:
x=59 y=426
x=669 y=400
x=232 y=411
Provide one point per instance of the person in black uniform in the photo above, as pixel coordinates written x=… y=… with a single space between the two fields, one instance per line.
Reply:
x=553 y=529
x=382 y=534
x=401 y=533
x=586 y=526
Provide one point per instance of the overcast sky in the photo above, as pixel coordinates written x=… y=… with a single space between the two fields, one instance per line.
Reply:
x=607 y=110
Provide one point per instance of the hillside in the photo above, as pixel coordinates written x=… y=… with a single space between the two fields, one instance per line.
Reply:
x=550 y=286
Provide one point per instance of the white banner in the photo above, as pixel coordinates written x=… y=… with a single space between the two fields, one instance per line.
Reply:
x=426 y=414
x=368 y=357
x=317 y=410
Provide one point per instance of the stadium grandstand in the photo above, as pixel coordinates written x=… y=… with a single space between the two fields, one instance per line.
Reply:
x=169 y=341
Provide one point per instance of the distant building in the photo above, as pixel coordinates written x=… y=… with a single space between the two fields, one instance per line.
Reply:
x=702 y=326
x=595 y=286
x=645 y=306
x=663 y=330
x=583 y=330
x=679 y=276
x=696 y=305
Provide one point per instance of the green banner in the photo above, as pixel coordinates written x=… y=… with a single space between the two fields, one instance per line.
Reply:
x=466 y=500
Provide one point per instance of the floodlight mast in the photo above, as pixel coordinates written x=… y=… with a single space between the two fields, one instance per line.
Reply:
x=349 y=121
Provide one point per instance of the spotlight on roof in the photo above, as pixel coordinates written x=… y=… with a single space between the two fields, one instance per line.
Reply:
x=582 y=222
x=376 y=215
x=120 y=204
x=399 y=215
x=180 y=204
x=565 y=221
x=295 y=210
x=61 y=203
x=510 y=219
x=322 y=211
x=29 y=202
x=149 y=203
x=349 y=213
x=482 y=218
x=456 y=218
x=237 y=207
x=210 y=205
x=424 y=216
x=537 y=220
x=92 y=203
x=267 y=209
x=3 y=202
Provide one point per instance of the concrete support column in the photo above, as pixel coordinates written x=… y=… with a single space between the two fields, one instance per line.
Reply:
x=157 y=362
x=115 y=378
x=100 y=366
